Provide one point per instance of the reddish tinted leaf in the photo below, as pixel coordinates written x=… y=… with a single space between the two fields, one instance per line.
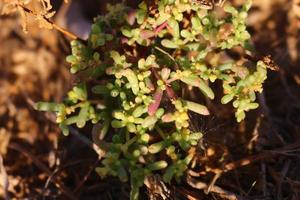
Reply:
x=168 y=117
x=146 y=34
x=155 y=104
x=130 y=18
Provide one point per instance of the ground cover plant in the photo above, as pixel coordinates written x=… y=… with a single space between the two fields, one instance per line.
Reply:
x=134 y=69
x=144 y=78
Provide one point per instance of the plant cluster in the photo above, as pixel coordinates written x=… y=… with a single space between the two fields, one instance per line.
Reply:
x=134 y=71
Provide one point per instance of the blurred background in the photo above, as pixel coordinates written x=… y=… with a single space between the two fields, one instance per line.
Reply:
x=37 y=162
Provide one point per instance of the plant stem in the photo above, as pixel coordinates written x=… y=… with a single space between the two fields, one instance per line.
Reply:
x=160 y=132
x=167 y=54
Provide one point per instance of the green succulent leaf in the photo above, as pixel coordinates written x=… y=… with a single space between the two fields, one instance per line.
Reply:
x=227 y=98
x=149 y=121
x=83 y=116
x=46 y=106
x=169 y=44
x=133 y=80
x=157 y=147
x=197 y=108
x=65 y=129
x=157 y=165
x=198 y=82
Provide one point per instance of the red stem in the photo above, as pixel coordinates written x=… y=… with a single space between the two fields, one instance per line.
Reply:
x=160 y=27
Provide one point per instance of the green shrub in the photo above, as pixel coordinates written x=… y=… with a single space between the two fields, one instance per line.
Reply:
x=132 y=70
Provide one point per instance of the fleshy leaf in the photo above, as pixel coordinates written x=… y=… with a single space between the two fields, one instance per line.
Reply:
x=82 y=117
x=198 y=82
x=169 y=44
x=157 y=165
x=227 y=98
x=146 y=34
x=156 y=147
x=133 y=80
x=197 y=108
x=156 y=102
x=149 y=121
x=46 y=106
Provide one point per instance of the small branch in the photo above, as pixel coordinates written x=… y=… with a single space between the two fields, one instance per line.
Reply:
x=166 y=53
x=215 y=189
x=92 y=168
x=264 y=178
x=64 y=31
x=70 y=35
x=160 y=132
x=88 y=142
x=249 y=160
x=213 y=182
x=98 y=146
x=59 y=169
x=44 y=168
x=281 y=178
x=4 y=179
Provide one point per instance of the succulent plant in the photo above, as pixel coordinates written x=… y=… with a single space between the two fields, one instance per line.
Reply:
x=135 y=65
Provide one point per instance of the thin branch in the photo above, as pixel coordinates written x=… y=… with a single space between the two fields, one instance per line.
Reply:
x=92 y=168
x=166 y=53
x=249 y=160
x=215 y=189
x=4 y=179
x=88 y=142
x=44 y=168
x=98 y=146
x=72 y=36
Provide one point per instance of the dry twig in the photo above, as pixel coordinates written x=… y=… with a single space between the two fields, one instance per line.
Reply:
x=66 y=191
x=215 y=189
x=4 y=179
x=249 y=160
x=55 y=26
